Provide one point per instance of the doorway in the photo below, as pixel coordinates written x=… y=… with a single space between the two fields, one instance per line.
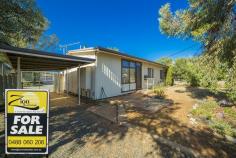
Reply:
x=138 y=76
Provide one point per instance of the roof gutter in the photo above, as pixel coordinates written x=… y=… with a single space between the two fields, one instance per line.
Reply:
x=45 y=56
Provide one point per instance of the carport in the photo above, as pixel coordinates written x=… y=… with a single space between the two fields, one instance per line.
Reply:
x=23 y=59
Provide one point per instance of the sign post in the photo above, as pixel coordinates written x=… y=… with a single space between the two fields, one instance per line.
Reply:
x=26 y=121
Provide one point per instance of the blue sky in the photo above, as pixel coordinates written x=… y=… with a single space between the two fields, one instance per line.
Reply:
x=129 y=25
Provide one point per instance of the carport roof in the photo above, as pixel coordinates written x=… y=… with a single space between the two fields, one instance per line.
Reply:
x=32 y=60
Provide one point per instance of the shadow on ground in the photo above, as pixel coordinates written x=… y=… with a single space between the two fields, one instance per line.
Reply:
x=73 y=124
x=174 y=139
x=202 y=93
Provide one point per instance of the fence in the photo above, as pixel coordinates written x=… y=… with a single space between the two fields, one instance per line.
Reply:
x=151 y=82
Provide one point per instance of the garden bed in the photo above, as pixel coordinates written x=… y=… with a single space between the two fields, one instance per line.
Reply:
x=222 y=120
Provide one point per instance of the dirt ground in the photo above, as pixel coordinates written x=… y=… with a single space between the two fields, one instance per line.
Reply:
x=150 y=131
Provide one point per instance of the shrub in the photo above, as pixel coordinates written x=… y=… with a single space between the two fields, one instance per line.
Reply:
x=206 y=110
x=159 y=91
x=222 y=126
x=170 y=76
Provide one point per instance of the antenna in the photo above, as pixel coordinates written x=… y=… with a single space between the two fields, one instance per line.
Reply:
x=65 y=46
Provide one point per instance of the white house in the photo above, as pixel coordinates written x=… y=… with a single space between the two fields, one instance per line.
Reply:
x=113 y=73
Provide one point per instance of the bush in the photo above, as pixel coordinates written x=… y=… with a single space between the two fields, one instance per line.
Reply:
x=206 y=110
x=222 y=126
x=170 y=76
x=159 y=91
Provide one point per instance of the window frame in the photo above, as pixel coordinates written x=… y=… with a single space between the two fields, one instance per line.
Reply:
x=150 y=72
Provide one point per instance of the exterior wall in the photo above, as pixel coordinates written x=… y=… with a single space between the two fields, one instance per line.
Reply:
x=156 y=78
x=85 y=80
x=103 y=79
x=108 y=76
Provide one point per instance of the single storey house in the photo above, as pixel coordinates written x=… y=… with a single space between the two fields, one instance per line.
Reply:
x=113 y=73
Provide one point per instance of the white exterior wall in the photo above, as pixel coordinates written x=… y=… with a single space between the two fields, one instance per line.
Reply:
x=156 y=78
x=107 y=75
x=85 y=79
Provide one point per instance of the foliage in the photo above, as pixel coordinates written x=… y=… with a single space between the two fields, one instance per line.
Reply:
x=46 y=42
x=208 y=109
x=21 y=22
x=113 y=48
x=231 y=83
x=159 y=91
x=223 y=128
x=166 y=61
x=180 y=68
x=170 y=76
x=213 y=23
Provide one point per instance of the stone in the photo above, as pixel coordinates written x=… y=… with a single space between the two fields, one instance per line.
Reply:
x=220 y=115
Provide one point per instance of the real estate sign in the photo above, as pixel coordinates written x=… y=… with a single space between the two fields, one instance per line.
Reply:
x=26 y=121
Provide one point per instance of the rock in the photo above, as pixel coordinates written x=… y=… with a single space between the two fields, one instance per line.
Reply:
x=220 y=115
x=195 y=106
x=193 y=121
x=225 y=103
x=189 y=115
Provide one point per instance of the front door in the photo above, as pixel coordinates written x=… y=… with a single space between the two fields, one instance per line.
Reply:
x=138 y=76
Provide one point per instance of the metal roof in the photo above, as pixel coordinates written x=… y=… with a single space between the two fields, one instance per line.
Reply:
x=130 y=56
x=32 y=60
x=110 y=51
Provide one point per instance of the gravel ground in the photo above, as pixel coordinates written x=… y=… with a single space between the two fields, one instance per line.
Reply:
x=76 y=132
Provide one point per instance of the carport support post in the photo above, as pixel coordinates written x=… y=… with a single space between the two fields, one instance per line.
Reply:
x=67 y=82
x=78 y=77
x=18 y=73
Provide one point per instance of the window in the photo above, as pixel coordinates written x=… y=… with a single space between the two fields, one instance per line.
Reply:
x=125 y=75
x=150 y=73
x=128 y=73
x=162 y=75
x=132 y=75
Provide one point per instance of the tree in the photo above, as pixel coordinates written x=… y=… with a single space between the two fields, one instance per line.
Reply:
x=180 y=68
x=46 y=42
x=170 y=76
x=213 y=23
x=166 y=61
x=21 y=22
x=113 y=48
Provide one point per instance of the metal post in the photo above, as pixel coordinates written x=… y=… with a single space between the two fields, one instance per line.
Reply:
x=78 y=81
x=18 y=73
x=59 y=82
x=67 y=82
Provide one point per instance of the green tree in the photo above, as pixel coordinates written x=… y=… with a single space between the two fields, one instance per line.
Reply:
x=213 y=23
x=180 y=68
x=21 y=22
x=46 y=42
x=166 y=61
x=170 y=76
x=113 y=48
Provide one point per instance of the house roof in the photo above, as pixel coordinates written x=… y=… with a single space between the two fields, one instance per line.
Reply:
x=114 y=52
x=40 y=60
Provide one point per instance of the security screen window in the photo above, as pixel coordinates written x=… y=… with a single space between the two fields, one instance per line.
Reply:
x=125 y=72
x=150 y=73
x=128 y=73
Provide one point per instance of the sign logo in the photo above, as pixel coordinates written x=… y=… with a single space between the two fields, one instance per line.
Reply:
x=26 y=120
x=24 y=103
